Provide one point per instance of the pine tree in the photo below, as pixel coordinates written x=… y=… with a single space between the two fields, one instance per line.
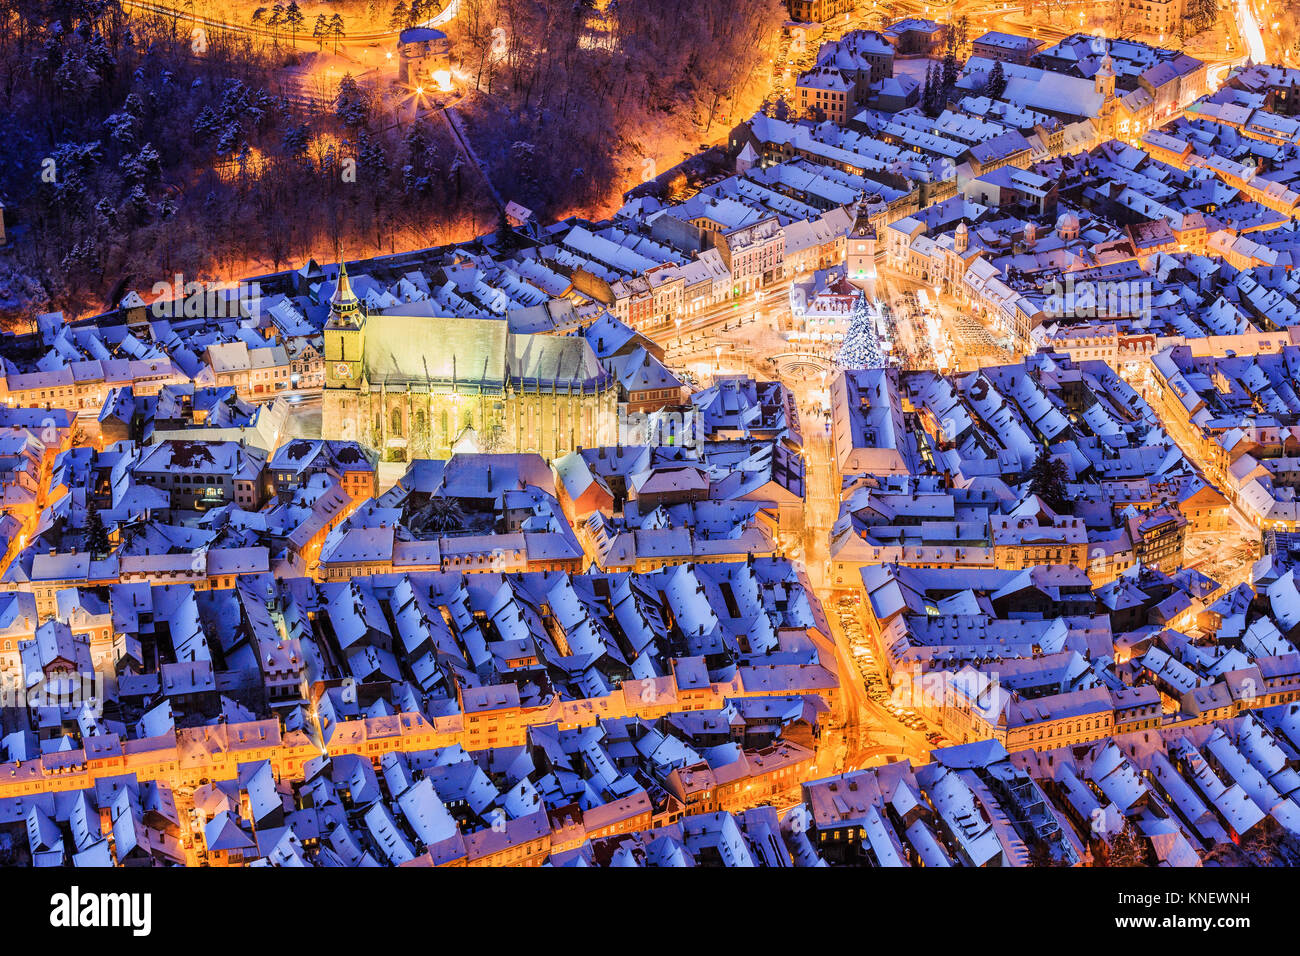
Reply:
x=96 y=537
x=1047 y=480
x=372 y=157
x=294 y=20
x=275 y=21
x=950 y=72
x=296 y=139
x=352 y=105
x=930 y=96
x=399 y=16
x=997 y=82
x=505 y=233
x=441 y=515
x=1126 y=848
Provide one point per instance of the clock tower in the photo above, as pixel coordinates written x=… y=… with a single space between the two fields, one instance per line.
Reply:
x=345 y=342
x=344 y=336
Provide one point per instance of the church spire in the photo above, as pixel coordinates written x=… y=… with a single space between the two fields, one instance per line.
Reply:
x=344 y=305
x=1104 y=79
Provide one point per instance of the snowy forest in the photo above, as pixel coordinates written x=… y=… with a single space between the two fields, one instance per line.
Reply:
x=130 y=155
x=136 y=149
x=577 y=105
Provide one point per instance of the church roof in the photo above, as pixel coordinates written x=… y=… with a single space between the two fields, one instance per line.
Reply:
x=551 y=358
x=411 y=349
x=418 y=348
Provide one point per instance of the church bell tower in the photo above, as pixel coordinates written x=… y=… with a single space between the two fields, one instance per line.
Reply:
x=1103 y=81
x=344 y=336
x=344 y=369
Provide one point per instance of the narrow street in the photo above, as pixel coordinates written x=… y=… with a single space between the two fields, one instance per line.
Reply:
x=872 y=735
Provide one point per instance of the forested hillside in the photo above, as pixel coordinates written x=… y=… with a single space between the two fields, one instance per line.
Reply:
x=139 y=148
x=132 y=151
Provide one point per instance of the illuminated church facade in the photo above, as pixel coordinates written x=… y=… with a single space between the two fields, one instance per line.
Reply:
x=423 y=386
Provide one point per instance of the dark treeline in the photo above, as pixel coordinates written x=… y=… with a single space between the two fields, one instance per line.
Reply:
x=133 y=150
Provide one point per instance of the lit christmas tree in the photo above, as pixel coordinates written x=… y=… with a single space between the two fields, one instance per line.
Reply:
x=861 y=345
